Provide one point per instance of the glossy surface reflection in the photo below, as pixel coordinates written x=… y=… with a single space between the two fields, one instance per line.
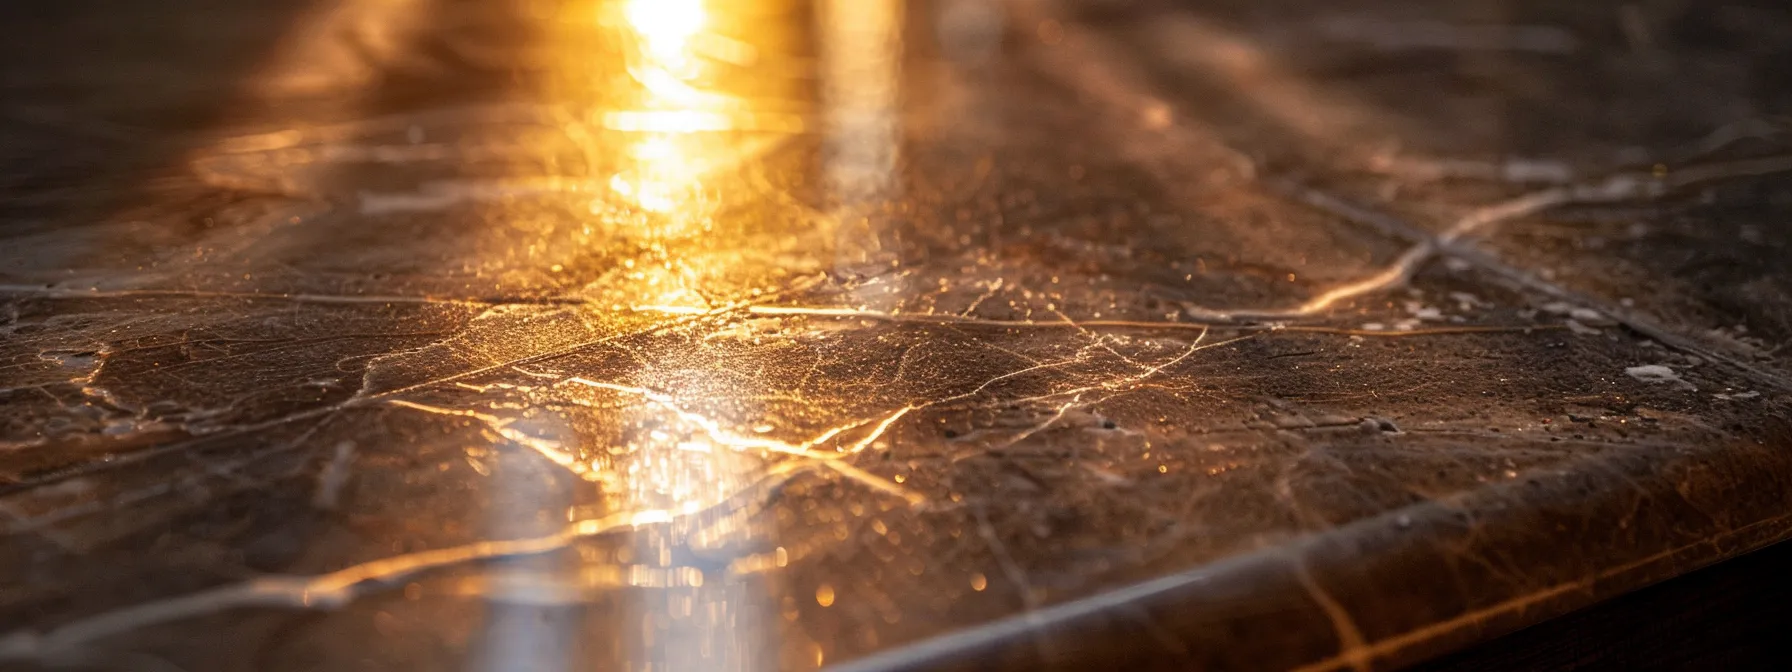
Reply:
x=772 y=334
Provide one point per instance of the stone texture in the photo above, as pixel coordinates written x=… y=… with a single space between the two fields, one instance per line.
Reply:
x=560 y=336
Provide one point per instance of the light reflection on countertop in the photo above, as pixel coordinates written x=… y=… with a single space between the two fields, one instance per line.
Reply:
x=771 y=334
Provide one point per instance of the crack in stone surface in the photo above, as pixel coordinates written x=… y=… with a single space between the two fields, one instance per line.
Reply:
x=774 y=336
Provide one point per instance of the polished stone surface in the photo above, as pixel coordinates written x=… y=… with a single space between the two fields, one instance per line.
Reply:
x=665 y=334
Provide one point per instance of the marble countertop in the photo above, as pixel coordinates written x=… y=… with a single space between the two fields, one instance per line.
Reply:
x=680 y=335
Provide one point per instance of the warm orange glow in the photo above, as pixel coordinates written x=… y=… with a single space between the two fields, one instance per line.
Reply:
x=650 y=196
x=668 y=121
x=860 y=68
x=861 y=42
x=678 y=121
x=667 y=26
x=662 y=167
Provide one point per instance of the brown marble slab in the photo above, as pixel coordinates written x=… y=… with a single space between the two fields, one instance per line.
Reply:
x=430 y=334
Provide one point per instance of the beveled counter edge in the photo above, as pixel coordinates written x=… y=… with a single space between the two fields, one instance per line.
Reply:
x=1308 y=567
